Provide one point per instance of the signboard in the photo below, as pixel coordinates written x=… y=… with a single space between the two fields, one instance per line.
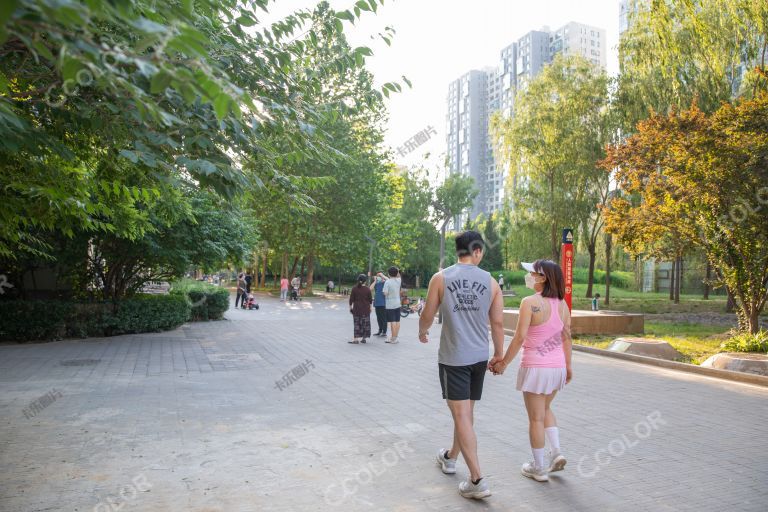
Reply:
x=566 y=256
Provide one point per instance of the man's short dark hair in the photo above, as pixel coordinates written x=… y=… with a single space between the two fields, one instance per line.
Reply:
x=467 y=242
x=393 y=271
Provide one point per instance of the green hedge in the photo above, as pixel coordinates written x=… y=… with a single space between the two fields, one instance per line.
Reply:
x=624 y=280
x=208 y=302
x=27 y=320
x=30 y=320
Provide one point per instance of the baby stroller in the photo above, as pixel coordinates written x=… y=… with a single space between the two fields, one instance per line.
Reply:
x=295 y=295
x=250 y=303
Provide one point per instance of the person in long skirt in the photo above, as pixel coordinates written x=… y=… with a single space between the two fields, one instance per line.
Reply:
x=360 y=300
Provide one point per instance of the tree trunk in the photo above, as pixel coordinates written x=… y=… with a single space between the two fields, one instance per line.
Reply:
x=310 y=270
x=706 y=280
x=442 y=262
x=293 y=268
x=264 y=271
x=678 y=279
x=672 y=275
x=553 y=234
x=301 y=272
x=591 y=276
x=754 y=320
x=608 y=250
x=284 y=265
x=442 y=245
x=730 y=305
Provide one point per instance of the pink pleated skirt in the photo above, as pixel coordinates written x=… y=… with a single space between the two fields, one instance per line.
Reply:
x=542 y=381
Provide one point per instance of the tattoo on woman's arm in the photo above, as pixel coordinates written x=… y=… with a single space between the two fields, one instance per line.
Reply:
x=535 y=309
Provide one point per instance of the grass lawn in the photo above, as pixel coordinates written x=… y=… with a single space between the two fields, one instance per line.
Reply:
x=696 y=342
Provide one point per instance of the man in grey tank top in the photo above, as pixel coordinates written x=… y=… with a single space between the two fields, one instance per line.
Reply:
x=469 y=300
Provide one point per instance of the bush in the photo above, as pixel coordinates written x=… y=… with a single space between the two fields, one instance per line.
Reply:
x=207 y=302
x=50 y=319
x=746 y=342
x=26 y=320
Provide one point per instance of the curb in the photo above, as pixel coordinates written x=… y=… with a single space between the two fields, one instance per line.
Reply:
x=747 y=378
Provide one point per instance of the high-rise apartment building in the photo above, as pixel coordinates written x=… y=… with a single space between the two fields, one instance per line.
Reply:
x=477 y=95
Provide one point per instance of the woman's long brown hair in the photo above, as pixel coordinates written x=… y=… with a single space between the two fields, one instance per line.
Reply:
x=554 y=287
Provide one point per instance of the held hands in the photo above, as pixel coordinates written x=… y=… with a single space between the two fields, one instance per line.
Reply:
x=497 y=365
x=424 y=337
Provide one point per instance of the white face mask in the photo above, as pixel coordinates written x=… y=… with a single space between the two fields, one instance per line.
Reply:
x=530 y=281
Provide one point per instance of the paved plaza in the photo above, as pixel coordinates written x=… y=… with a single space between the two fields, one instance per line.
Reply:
x=272 y=410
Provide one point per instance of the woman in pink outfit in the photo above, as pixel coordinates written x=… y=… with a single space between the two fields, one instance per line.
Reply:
x=544 y=333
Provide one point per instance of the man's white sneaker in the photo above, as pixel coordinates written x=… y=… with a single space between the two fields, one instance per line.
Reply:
x=531 y=471
x=476 y=491
x=557 y=462
x=447 y=465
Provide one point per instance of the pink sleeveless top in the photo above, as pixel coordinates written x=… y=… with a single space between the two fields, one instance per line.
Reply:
x=543 y=345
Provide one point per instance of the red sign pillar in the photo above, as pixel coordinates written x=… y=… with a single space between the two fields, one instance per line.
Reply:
x=566 y=257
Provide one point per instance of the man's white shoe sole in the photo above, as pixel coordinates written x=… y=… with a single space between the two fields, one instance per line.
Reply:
x=443 y=467
x=475 y=495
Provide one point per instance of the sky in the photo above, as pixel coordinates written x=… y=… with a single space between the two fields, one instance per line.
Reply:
x=436 y=41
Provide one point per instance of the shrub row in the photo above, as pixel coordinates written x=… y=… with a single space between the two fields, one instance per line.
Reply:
x=619 y=279
x=28 y=320
x=207 y=302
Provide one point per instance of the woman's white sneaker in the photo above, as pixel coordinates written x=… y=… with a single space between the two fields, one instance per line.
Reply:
x=557 y=462
x=531 y=471
x=447 y=465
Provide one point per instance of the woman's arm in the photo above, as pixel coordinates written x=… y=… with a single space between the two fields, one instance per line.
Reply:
x=521 y=330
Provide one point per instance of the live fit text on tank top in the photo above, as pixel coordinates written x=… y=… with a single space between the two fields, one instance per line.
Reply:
x=466 y=303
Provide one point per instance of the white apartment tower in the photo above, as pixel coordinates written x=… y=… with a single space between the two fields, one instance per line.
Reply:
x=477 y=95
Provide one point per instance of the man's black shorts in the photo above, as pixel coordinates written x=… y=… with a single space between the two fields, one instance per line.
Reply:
x=393 y=315
x=462 y=382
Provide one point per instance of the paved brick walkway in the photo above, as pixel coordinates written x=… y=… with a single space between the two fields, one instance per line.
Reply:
x=194 y=420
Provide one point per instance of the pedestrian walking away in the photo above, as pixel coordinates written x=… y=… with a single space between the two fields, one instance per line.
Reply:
x=391 y=292
x=360 y=300
x=380 y=303
x=283 y=289
x=469 y=299
x=544 y=333
x=242 y=294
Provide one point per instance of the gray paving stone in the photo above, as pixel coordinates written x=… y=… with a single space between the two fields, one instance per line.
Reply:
x=196 y=414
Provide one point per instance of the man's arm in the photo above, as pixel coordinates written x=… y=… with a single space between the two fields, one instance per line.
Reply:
x=496 y=319
x=430 y=306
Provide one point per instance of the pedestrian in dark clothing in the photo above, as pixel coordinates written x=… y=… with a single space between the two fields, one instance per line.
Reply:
x=248 y=281
x=380 y=303
x=241 y=293
x=360 y=300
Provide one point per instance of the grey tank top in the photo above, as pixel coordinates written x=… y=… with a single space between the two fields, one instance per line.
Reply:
x=465 y=306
